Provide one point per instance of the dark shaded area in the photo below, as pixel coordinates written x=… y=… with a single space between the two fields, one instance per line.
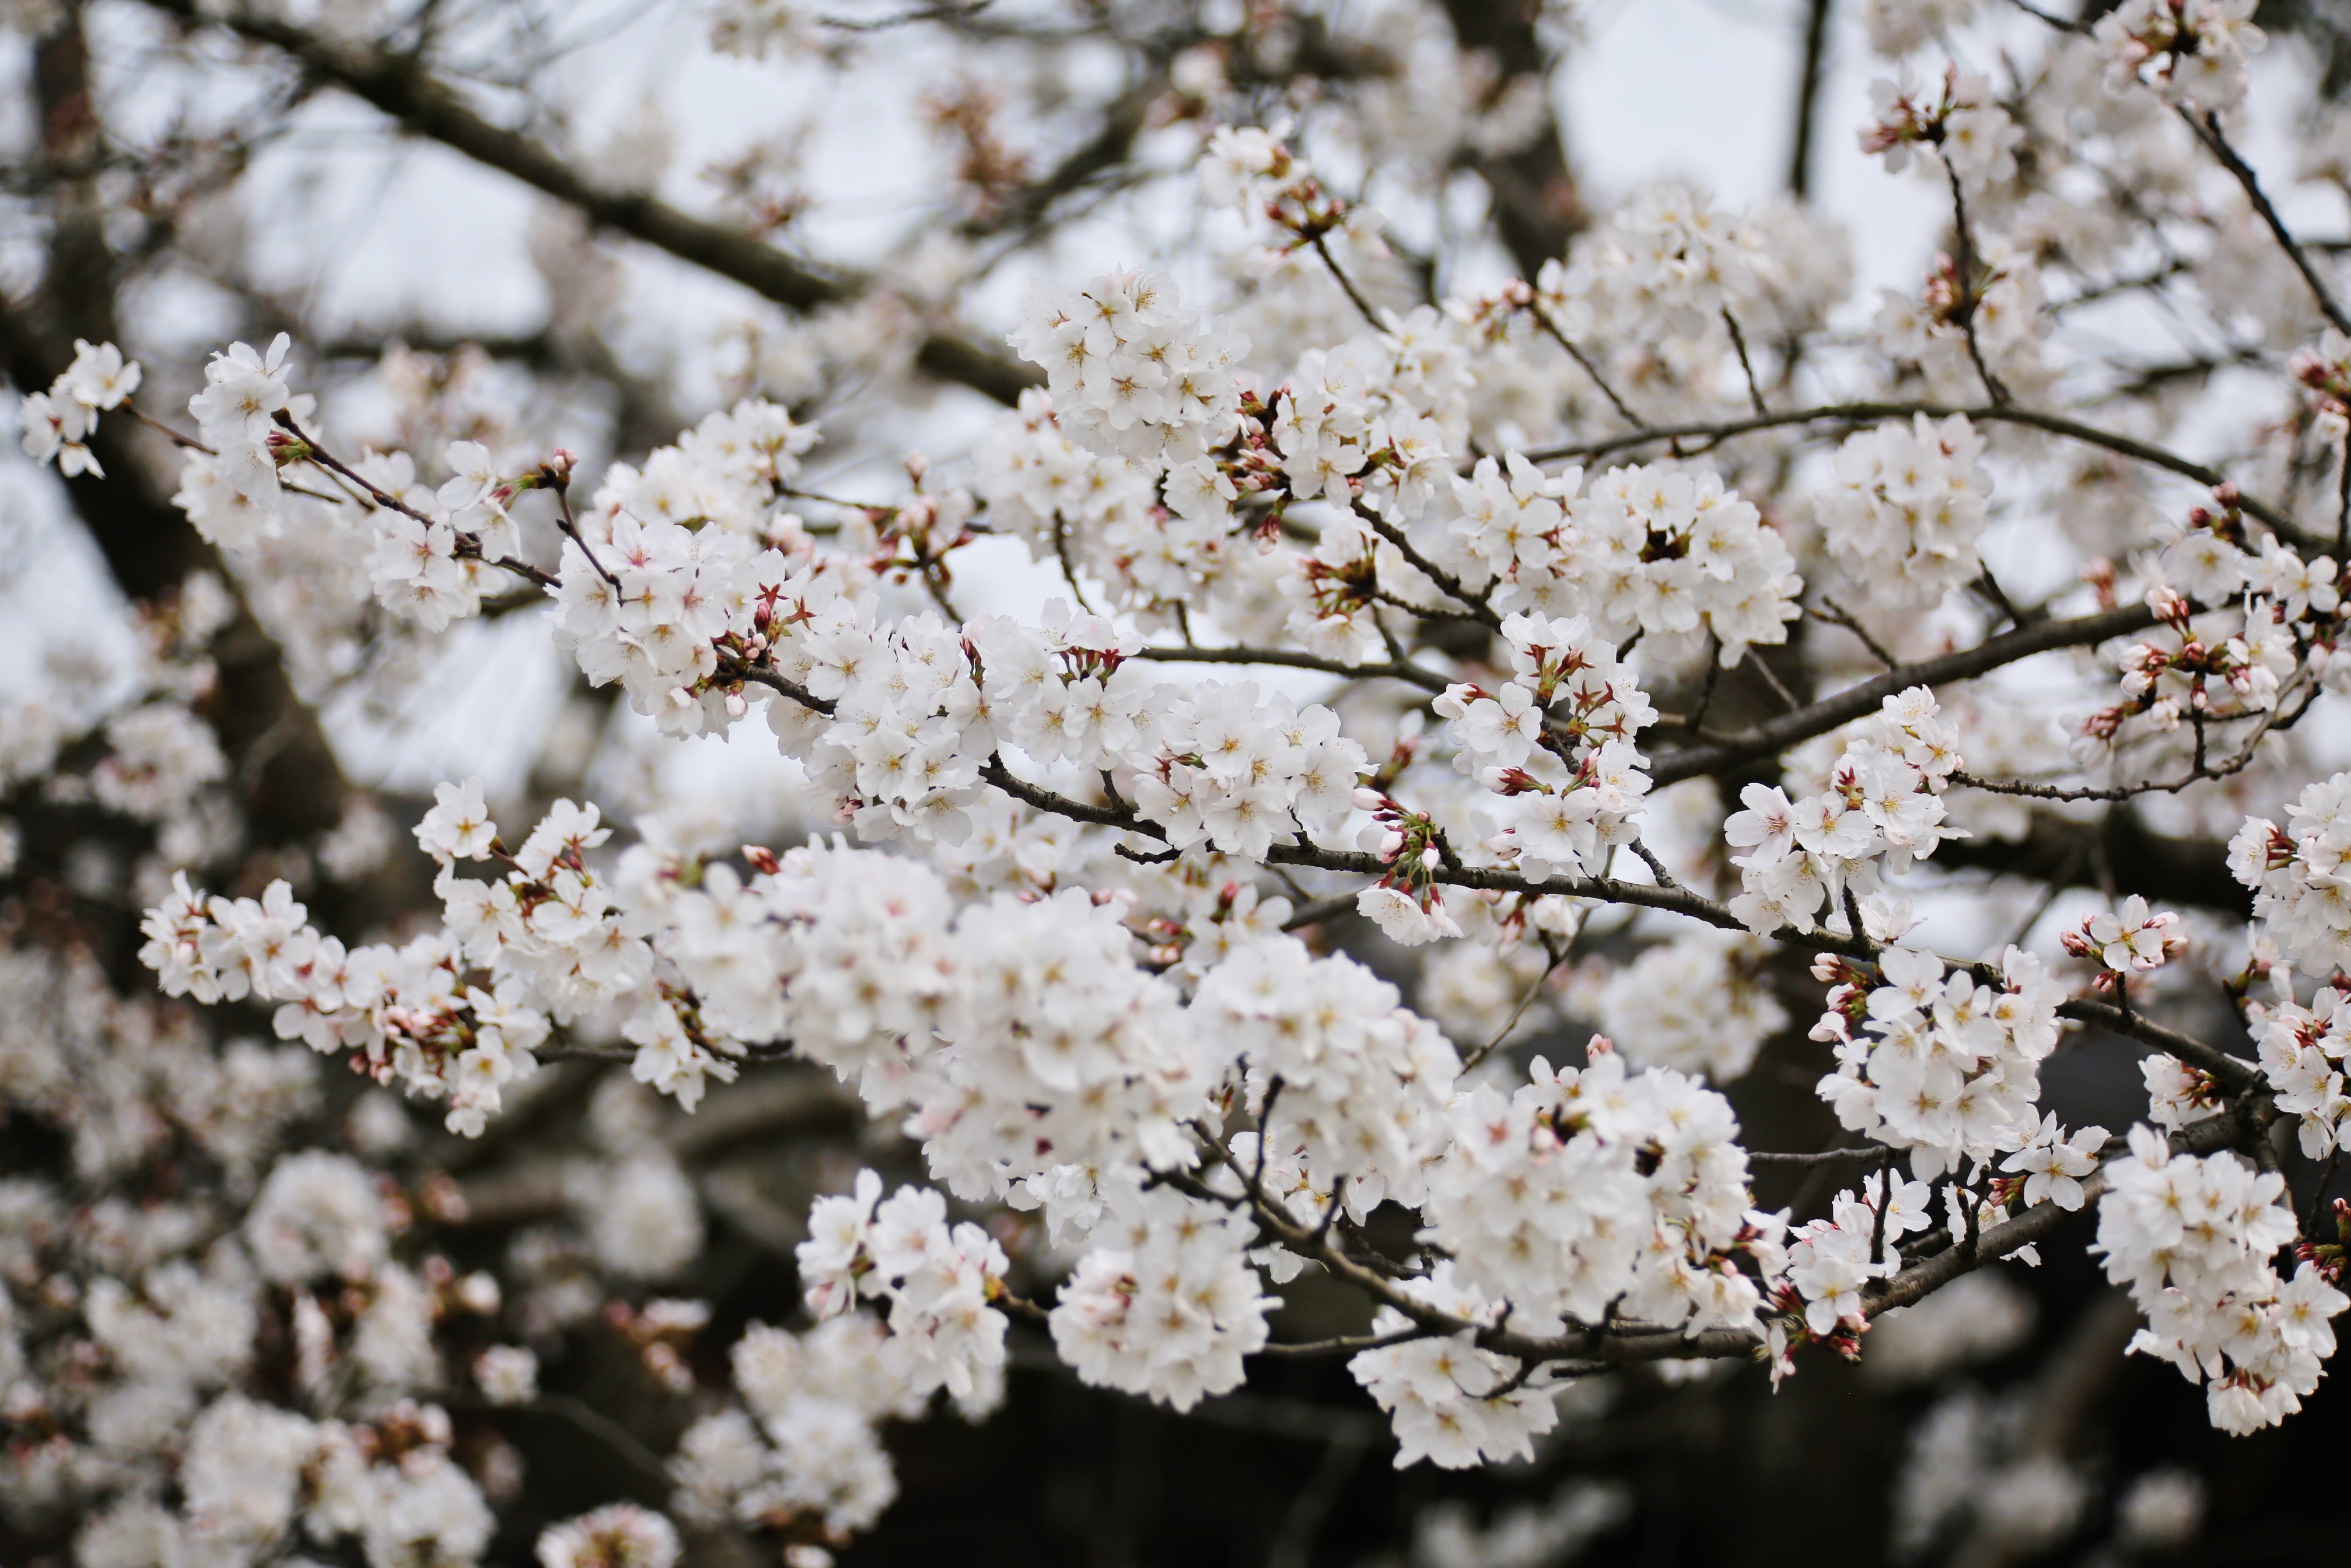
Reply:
x=1538 y=207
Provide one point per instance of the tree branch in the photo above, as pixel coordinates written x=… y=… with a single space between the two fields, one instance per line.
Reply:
x=1857 y=413
x=1861 y=699
x=399 y=86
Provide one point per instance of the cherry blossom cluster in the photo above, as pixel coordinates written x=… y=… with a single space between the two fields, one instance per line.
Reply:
x=1907 y=509
x=315 y=1247
x=801 y=1448
x=256 y=1475
x=1372 y=420
x=618 y=1535
x=1938 y=1064
x=2192 y=1236
x=1244 y=770
x=731 y=469
x=1832 y=1259
x=1334 y=591
x=1895 y=27
x=1166 y=1302
x=937 y=1283
x=1963 y=128
x=1364 y=428
x=2127 y=941
x=1064 y=499
x=1020 y=1039
x=1558 y=739
x=2301 y=891
x=2208 y=558
x=58 y=423
x=2179 y=1095
x=2189 y=51
x=1344 y=1079
x=1666 y=307
x=1254 y=167
x=427 y=548
x=140 y=750
x=1405 y=903
x=1668 y=263
x=1251 y=163
x=1880 y=809
x=2229 y=664
x=1659 y=549
x=1131 y=374
x=231 y=492
x=2052 y=1165
x=451 y=1014
x=1059 y=1058
x=1598 y=1190
x=1700 y=1003
x=1512 y=530
x=1451 y=1402
x=2302 y=1053
x=2323 y=368
x=1998 y=315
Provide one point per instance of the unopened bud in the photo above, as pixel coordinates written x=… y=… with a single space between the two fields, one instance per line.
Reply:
x=1430 y=858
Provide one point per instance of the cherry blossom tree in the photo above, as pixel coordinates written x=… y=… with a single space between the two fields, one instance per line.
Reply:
x=1284 y=769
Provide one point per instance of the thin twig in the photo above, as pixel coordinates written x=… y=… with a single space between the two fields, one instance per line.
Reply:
x=1323 y=249
x=948 y=13
x=1969 y=296
x=2207 y=127
x=328 y=461
x=2343 y=503
x=1715 y=432
x=1526 y=1000
x=571 y=531
x=1989 y=586
x=1583 y=361
x=1836 y=615
x=1738 y=341
x=1825 y=1156
x=1772 y=681
x=1395 y=670
x=1344 y=1345
x=1447 y=583
x=188 y=442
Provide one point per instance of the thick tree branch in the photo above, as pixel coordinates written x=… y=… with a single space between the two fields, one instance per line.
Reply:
x=400 y=87
x=1859 y=700
x=1857 y=412
x=1807 y=93
x=294 y=787
x=1537 y=206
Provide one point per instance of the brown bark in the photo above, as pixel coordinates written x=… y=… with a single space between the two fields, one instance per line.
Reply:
x=291 y=783
x=1537 y=205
